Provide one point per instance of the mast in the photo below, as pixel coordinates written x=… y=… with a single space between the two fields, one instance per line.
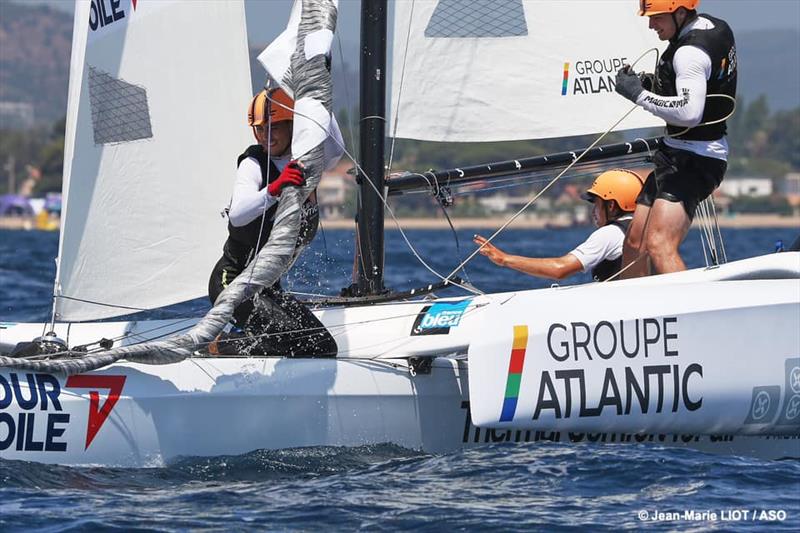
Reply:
x=372 y=115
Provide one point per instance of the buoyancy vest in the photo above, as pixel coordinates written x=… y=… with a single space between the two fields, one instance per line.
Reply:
x=608 y=267
x=243 y=240
x=720 y=46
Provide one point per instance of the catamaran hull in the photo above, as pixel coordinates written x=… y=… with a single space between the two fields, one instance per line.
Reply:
x=738 y=322
x=139 y=415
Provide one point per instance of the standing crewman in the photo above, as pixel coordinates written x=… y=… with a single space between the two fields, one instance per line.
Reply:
x=698 y=65
x=272 y=322
x=613 y=195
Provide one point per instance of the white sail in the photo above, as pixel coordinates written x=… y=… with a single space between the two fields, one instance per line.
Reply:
x=155 y=122
x=497 y=70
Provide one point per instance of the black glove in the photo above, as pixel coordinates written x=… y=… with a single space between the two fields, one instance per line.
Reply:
x=648 y=80
x=628 y=84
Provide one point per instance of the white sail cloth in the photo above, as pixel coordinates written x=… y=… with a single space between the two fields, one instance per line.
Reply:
x=155 y=120
x=310 y=80
x=314 y=123
x=499 y=70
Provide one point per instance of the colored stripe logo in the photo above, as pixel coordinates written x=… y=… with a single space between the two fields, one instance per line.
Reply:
x=566 y=80
x=514 y=373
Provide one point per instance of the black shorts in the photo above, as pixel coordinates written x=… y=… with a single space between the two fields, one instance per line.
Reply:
x=682 y=176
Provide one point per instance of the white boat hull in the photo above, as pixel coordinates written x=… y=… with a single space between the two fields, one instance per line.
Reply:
x=216 y=407
x=139 y=415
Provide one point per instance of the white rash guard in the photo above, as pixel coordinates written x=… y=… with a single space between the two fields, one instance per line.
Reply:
x=248 y=202
x=692 y=68
x=604 y=243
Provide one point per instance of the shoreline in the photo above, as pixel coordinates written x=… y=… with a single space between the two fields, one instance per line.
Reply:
x=737 y=222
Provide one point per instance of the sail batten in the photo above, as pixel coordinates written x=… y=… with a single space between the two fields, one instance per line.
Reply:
x=155 y=120
x=513 y=69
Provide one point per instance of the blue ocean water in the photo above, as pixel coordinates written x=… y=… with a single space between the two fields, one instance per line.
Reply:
x=535 y=486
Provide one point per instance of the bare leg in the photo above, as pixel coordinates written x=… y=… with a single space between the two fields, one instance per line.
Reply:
x=667 y=227
x=633 y=250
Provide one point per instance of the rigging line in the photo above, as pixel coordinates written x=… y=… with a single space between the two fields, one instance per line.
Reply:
x=477 y=307
x=575 y=160
x=324 y=242
x=350 y=124
x=394 y=218
x=710 y=228
x=102 y=304
x=520 y=181
x=719 y=229
x=703 y=247
x=455 y=236
x=329 y=327
x=641 y=251
x=705 y=239
x=269 y=168
x=400 y=88
x=709 y=123
x=706 y=227
x=56 y=288
x=536 y=197
x=100 y=349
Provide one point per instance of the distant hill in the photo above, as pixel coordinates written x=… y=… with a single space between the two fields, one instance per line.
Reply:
x=35 y=50
x=35 y=44
x=768 y=64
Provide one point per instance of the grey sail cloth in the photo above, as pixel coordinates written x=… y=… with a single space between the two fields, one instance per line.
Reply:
x=310 y=79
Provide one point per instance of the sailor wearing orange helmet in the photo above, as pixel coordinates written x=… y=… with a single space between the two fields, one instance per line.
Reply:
x=613 y=194
x=693 y=89
x=264 y=170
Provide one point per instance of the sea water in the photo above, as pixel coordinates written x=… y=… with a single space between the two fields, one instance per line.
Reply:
x=509 y=486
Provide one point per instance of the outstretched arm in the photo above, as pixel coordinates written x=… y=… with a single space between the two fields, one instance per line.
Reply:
x=544 y=267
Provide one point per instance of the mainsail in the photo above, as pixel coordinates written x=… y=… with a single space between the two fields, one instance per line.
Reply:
x=155 y=120
x=308 y=78
x=501 y=70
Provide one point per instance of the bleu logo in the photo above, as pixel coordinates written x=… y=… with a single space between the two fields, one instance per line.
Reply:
x=437 y=319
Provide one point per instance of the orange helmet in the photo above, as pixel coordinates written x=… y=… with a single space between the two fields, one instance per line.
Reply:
x=656 y=7
x=619 y=184
x=274 y=105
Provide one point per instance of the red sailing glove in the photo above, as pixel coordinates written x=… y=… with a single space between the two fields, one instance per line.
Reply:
x=292 y=176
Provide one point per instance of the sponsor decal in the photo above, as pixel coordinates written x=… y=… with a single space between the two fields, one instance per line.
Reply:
x=728 y=64
x=39 y=411
x=592 y=76
x=766 y=406
x=790 y=410
x=103 y=13
x=515 y=366
x=437 y=319
x=98 y=414
x=624 y=390
x=473 y=434
x=663 y=385
x=39 y=421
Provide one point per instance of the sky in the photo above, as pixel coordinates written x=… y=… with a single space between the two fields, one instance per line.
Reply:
x=267 y=18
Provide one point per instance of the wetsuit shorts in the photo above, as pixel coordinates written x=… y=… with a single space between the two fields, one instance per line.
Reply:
x=273 y=323
x=682 y=176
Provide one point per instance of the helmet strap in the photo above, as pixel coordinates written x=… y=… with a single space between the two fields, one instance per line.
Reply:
x=679 y=27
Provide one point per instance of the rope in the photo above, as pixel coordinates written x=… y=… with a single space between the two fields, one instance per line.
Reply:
x=537 y=196
x=710 y=122
x=416 y=254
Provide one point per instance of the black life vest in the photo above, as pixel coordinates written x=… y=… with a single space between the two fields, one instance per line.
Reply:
x=242 y=241
x=608 y=267
x=720 y=46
